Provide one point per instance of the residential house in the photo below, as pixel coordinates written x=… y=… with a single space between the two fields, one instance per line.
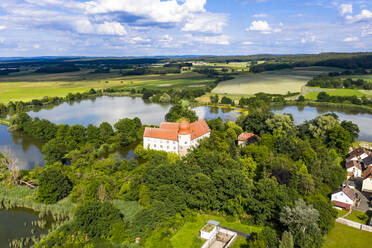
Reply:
x=367 y=162
x=353 y=169
x=358 y=154
x=367 y=180
x=246 y=138
x=175 y=137
x=344 y=198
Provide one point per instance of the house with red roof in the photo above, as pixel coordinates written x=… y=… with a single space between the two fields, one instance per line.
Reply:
x=354 y=169
x=246 y=138
x=344 y=198
x=175 y=137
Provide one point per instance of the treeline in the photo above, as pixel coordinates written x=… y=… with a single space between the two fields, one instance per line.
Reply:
x=58 y=69
x=324 y=97
x=348 y=83
x=6 y=71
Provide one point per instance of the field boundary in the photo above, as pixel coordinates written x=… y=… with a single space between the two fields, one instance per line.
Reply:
x=354 y=224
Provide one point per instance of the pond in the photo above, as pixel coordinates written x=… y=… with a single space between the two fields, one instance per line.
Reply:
x=15 y=224
x=25 y=150
x=301 y=114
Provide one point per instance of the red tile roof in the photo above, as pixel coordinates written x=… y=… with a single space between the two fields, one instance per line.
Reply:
x=367 y=173
x=170 y=130
x=341 y=204
x=245 y=136
x=349 y=192
x=198 y=128
x=160 y=133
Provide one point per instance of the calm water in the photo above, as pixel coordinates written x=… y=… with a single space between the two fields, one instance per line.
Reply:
x=108 y=109
x=12 y=225
x=301 y=114
x=23 y=149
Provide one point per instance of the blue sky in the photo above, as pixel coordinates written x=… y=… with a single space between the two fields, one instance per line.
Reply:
x=179 y=27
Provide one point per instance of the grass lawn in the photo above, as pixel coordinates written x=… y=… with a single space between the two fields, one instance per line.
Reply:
x=127 y=208
x=187 y=236
x=358 y=216
x=337 y=92
x=343 y=236
x=239 y=242
x=341 y=213
x=16 y=88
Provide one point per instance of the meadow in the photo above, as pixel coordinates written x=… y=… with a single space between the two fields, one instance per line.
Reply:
x=342 y=236
x=271 y=82
x=187 y=236
x=312 y=92
x=36 y=86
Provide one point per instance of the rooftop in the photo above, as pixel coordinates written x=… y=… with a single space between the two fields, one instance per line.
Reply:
x=171 y=130
x=245 y=136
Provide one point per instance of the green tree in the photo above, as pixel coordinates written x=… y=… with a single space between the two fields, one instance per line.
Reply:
x=53 y=186
x=178 y=112
x=53 y=151
x=287 y=240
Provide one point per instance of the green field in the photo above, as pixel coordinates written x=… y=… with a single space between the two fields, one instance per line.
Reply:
x=187 y=236
x=272 y=82
x=14 y=88
x=336 y=92
x=343 y=236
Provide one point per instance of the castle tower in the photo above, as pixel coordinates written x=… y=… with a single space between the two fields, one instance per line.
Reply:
x=184 y=137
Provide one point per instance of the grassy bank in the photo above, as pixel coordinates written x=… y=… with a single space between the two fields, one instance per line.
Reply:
x=4 y=122
x=23 y=197
x=312 y=92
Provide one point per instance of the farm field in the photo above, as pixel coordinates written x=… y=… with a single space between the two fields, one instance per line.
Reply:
x=312 y=92
x=56 y=86
x=273 y=82
x=187 y=236
x=342 y=236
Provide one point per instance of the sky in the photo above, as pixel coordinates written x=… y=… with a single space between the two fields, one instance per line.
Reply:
x=183 y=27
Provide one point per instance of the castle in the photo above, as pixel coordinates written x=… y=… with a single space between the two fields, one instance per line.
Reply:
x=175 y=137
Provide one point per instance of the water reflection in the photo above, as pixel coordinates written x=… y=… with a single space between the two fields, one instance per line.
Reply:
x=301 y=114
x=213 y=112
x=23 y=149
x=108 y=109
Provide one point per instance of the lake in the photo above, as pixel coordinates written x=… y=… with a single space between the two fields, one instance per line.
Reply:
x=12 y=225
x=301 y=114
x=110 y=109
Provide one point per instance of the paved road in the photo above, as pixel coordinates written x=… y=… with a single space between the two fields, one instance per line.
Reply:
x=363 y=202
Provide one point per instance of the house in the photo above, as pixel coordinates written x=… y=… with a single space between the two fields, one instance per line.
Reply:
x=246 y=138
x=358 y=154
x=344 y=198
x=367 y=162
x=367 y=180
x=175 y=137
x=216 y=235
x=209 y=230
x=353 y=169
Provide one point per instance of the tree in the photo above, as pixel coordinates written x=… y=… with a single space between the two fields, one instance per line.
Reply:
x=302 y=223
x=287 y=240
x=340 y=139
x=214 y=99
x=53 y=186
x=53 y=151
x=352 y=128
x=105 y=130
x=255 y=122
x=178 y=112
x=96 y=219
x=282 y=122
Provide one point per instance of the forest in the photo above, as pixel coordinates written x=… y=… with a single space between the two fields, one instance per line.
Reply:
x=280 y=183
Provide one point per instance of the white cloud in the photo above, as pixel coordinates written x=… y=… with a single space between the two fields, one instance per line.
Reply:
x=263 y=27
x=345 y=9
x=309 y=38
x=2 y=27
x=166 y=38
x=170 y=11
x=363 y=16
x=351 y=39
x=262 y=15
x=139 y=39
x=84 y=26
x=247 y=43
x=206 y=23
x=36 y=46
x=215 y=40
x=2 y=40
